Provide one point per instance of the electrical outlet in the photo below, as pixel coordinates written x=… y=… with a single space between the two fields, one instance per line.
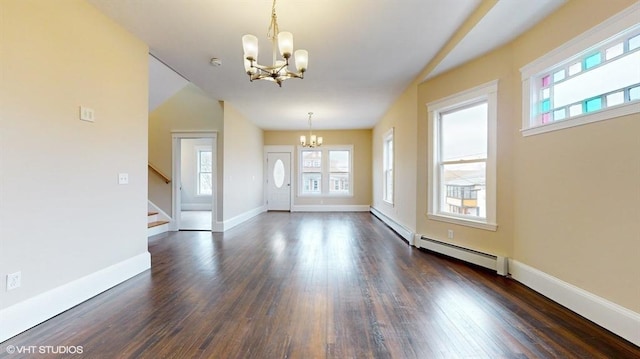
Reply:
x=450 y=234
x=13 y=280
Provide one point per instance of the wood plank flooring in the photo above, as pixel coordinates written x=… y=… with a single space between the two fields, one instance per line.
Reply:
x=309 y=285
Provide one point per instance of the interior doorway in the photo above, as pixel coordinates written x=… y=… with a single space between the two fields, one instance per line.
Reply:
x=195 y=171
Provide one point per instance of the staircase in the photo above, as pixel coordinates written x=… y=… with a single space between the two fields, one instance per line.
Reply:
x=155 y=225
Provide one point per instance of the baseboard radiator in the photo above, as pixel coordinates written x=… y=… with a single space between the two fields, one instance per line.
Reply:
x=497 y=263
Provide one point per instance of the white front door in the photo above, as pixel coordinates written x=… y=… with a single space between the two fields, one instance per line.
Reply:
x=278 y=181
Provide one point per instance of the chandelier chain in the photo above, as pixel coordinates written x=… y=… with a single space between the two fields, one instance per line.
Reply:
x=273 y=30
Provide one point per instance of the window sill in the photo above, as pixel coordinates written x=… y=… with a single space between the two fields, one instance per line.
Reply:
x=613 y=112
x=388 y=203
x=464 y=222
x=320 y=195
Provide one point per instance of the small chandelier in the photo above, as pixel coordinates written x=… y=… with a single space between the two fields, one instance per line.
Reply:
x=313 y=140
x=279 y=71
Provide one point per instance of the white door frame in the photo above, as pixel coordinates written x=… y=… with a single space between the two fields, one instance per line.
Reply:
x=279 y=149
x=176 y=168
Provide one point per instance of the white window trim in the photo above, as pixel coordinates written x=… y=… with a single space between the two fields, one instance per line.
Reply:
x=324 y=171
x=488 y=92
x=574 y=49
x=389 y=135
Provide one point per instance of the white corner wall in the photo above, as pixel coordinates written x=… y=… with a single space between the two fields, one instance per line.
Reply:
x=63 y=216
x=243 y=193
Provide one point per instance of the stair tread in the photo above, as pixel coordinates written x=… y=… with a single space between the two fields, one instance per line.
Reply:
x=156 y=223
x=151 y=213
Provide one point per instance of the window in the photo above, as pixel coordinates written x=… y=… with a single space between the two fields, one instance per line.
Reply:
x=387 y=178
x=205 y=176
x=462 y=158
x=326 y=171
x=311 y=169
x=339 y=171
x=592 y=78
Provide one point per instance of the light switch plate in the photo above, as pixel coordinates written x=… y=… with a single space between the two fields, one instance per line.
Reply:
x=13 y=280
x=86 y=114
x=123 y=178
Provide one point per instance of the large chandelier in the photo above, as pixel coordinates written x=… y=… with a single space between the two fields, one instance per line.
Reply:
x=283 y=41
x=313 y=140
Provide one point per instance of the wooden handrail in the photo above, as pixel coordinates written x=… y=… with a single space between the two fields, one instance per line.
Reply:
x=164 y=177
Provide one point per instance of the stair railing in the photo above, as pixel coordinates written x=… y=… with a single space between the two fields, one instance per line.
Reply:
x=159 y=173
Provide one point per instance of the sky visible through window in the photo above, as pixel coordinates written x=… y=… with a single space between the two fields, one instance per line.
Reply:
x=461 y=138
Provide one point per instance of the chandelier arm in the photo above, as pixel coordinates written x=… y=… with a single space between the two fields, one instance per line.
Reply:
x=294 y=75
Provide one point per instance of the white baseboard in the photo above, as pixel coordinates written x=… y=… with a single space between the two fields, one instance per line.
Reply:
x=196 y=206
x=232 y=222
x=217 y=227
x=331 y=208
x=617 y=319
x=403 y=231
x=35 y=310
x=157 y=230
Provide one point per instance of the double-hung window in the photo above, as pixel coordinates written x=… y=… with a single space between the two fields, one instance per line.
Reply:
x=311 y=171
x=326 y=171
x=387 y=179
x=462 y=158
x=339 y=171
x=593 y=77
x=205 y=175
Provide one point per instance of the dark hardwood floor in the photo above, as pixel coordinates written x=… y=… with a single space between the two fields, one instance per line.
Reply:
x=302 y=285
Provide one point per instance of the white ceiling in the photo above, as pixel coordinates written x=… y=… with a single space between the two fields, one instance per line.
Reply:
x=505 y=21
x=163 y=83
x=362 y=53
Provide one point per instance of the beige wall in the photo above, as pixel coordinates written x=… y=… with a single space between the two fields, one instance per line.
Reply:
x=567 y=200
x=63 y=215
x=576 y=191
x=495 y=65
x=243 y=188
x=402 y=117
x=190 y=109
x=362 y=162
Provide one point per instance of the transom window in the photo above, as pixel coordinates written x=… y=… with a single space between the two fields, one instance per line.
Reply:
x=326 y=171
x=606 y=77
x=600 y=82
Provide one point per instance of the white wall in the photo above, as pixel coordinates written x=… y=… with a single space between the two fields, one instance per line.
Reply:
x=243 y=184
x=63 y=215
